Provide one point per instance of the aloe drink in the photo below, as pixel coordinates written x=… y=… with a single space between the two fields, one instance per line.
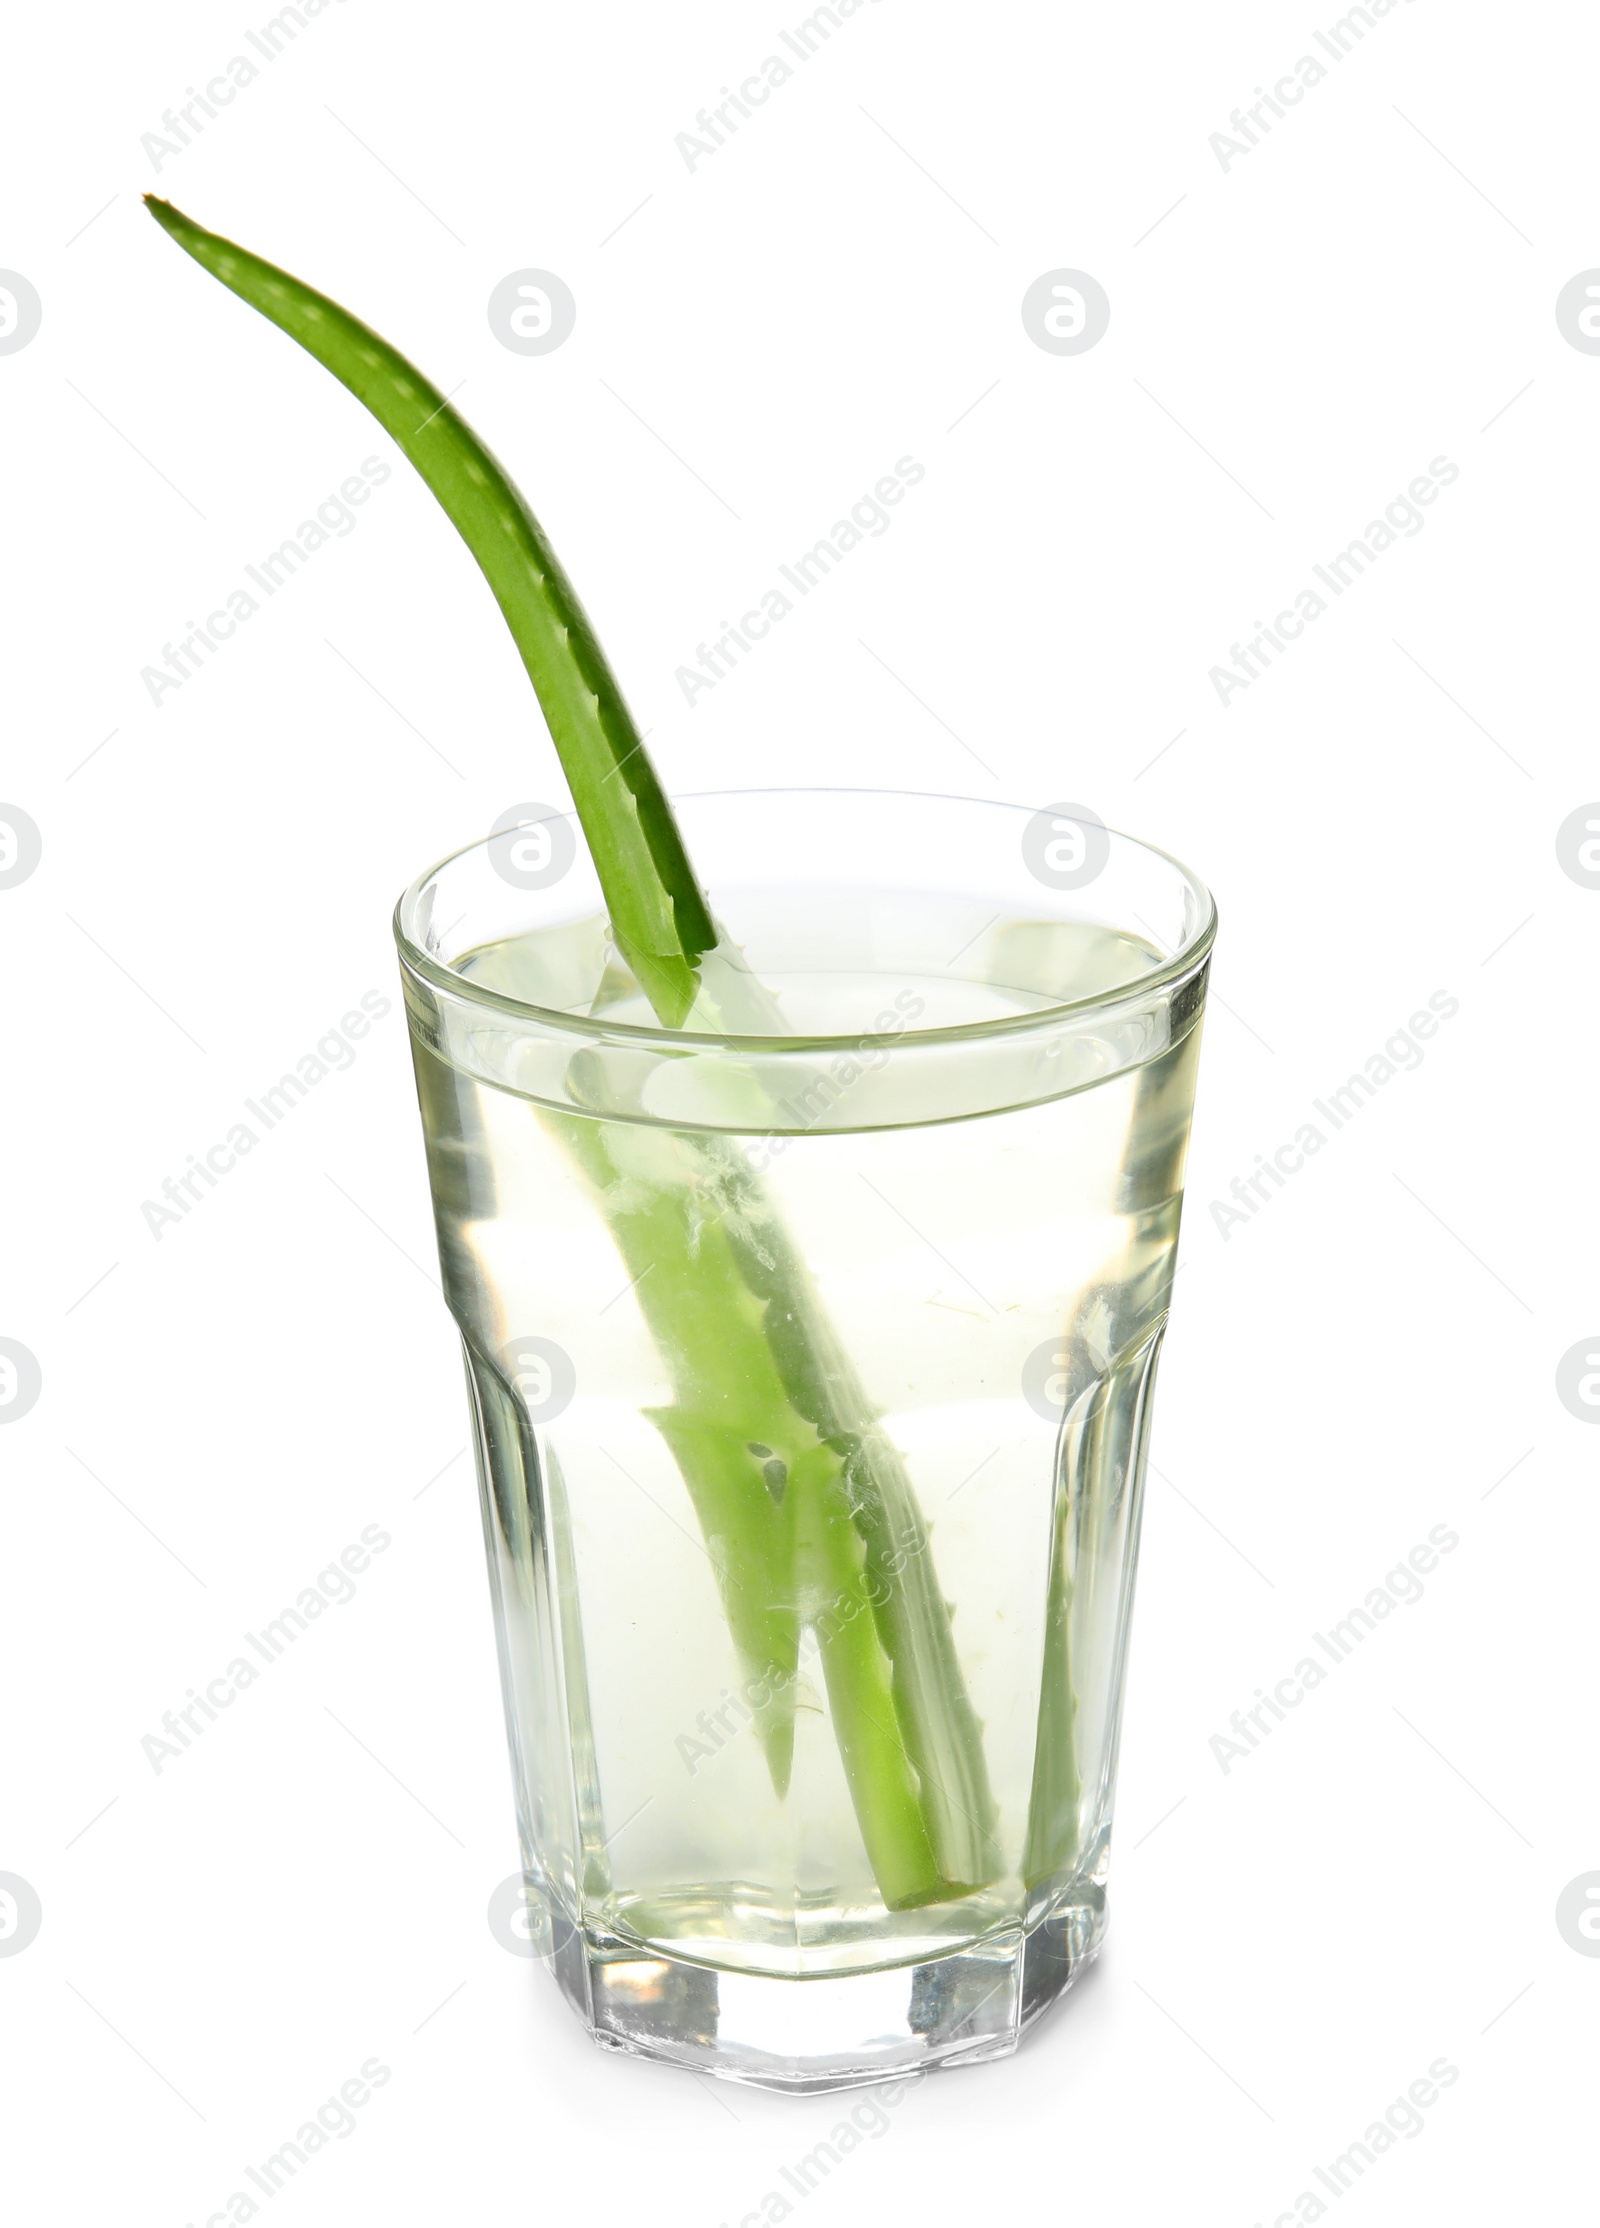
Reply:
x=806 y=1198
x=977 y=1171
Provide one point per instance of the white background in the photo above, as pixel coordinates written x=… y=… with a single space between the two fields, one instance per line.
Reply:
x=1292 y=341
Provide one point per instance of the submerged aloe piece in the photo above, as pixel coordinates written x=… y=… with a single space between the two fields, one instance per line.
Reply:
x=728 y=1402
x=761 y=1382
x=942 y=1737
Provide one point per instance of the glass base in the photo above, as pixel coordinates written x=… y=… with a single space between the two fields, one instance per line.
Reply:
x=809 y=2036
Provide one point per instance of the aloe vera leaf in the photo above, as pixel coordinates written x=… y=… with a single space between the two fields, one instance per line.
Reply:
x=659 y=916
x=942 y=1732
x=728 y=1403
x=787 y=1552
x=663 y=928
x=838 y=1600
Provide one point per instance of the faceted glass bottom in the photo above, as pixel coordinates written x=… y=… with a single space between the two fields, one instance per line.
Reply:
x=806 y=2037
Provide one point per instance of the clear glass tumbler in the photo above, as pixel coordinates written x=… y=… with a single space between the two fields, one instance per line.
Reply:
x=810 y=1376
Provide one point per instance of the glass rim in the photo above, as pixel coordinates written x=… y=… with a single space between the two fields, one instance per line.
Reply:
x=1190 y=955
